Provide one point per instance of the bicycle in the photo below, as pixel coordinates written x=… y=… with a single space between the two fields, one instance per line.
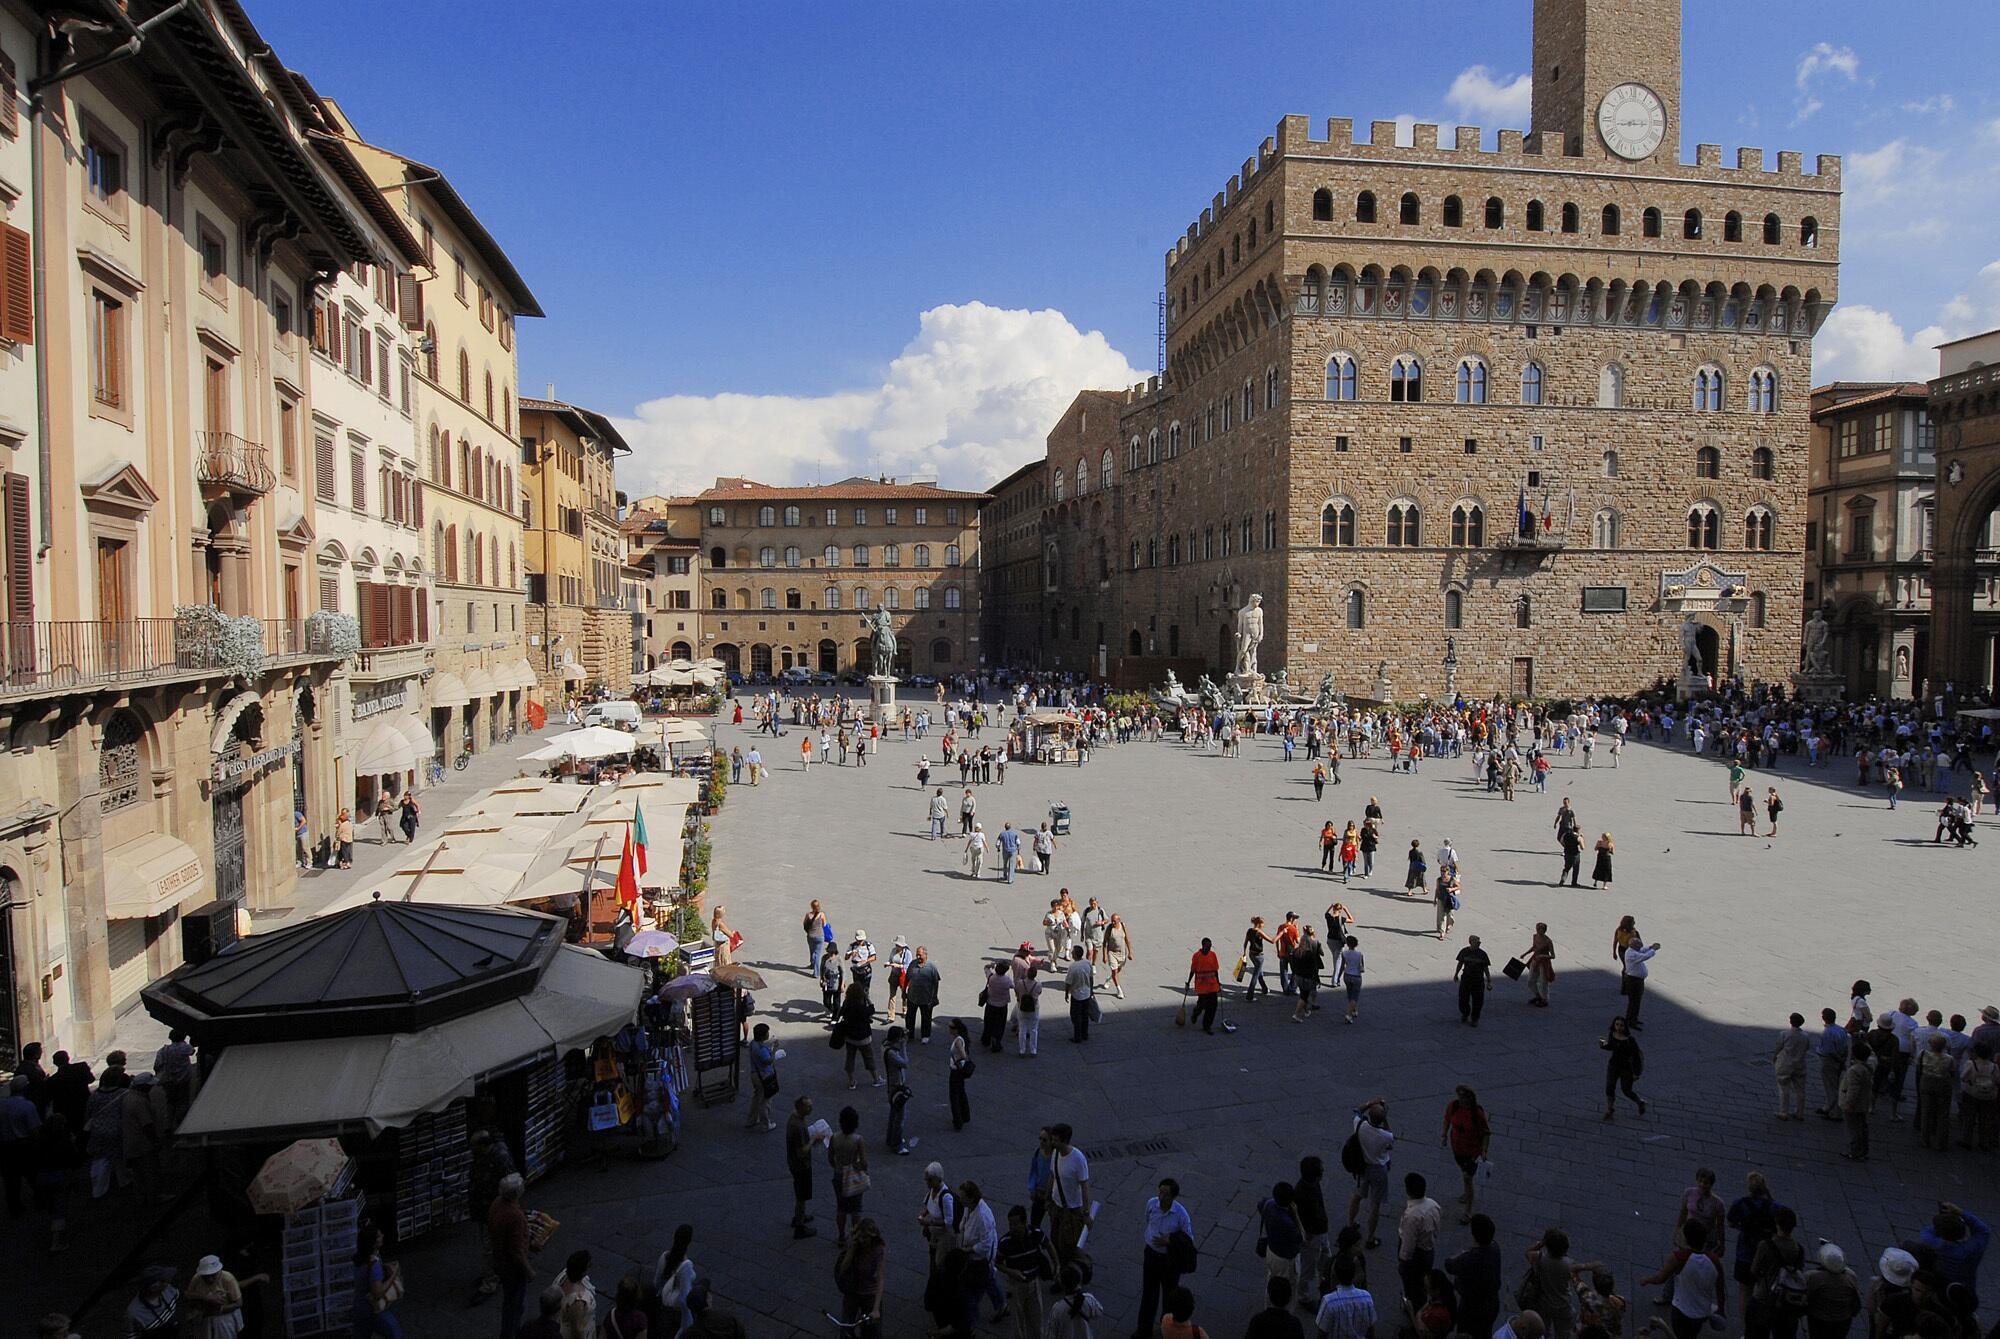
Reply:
x=507 y=736
x=464 y=761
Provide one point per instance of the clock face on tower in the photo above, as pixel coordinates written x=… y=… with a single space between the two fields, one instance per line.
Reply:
x=1632 y=121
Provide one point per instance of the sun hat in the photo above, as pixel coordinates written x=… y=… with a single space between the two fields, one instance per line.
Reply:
x=1991 y=1013
x=1898 y=1266
x=210 y=1265
x=1832 y=1258
x=859 y=935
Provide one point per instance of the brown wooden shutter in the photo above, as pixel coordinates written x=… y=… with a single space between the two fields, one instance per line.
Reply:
x=10 y=109
x=17 y=282
x=379 y=631
x=328 y=483
x=417 y=503
x=410 y=301
x=20 y=556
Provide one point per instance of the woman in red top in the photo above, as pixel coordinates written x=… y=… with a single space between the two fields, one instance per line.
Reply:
x=1205 y=976
x=1467 y=1135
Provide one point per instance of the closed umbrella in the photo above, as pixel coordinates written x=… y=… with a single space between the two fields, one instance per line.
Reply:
x=298 y=1174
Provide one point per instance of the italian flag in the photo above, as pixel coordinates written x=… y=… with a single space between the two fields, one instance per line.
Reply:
x=639 y=833
x=628 y=875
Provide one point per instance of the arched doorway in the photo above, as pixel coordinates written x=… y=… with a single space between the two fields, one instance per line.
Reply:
x=1135 y=644
x=864 y=656
x=785 y=658
x=829 y=655
x=731 y=658
x=681 y=651
x=1708 y=645
x=760 y=658
x=904 y=665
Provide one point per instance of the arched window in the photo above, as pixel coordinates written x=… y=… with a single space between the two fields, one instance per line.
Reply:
x=718 y=599
x=1468 y=526
x=1405 y=525
x=1707 y=463
x=1708 y=389
x=121 y=764
x=1058 y=488
x=1409 y=211
x=431 y=350
x=1535 y=219
x=861 y=555
x=923 y=555
x=1809 y=232
x=1153 y=447
x=951 y=597
x=892 y=555
x=792 y=555
x=791 y=516
x=1524 y=612
x=1132 y=457
x=1453 y=212
x=1357 y=609
x=464 y=377
x=1649 y=223
x=1364 y=207
x=1454 y=610
x=1323 y=205
x=830 y=598
x=1496 y=213
x=1082 y=476
x=1604 y=529
x=1133 y=559
x=1773 y=230
x=1173 y=441
x=1763 y=391
x=489 y=395
x=892 y=598
x=1531 y=384
x=767 y=515
x=1406 y=380
x=951 y=555
x=1610 y=465
x=1570 y=219
x=923 y=597
x=1763 y=464
x=828 y=556
x=1340 y=377
x=1758 y=524
x=1611 y=386
x=793 y=600
x=1732 y=227
x=1608 y=222
x=1691 y=225
x=767 y=556
x=1704 y=526
x=1173 y=550
x=1336 y=524
x=1471 y=387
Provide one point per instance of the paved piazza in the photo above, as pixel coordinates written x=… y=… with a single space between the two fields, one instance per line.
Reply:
x=1185 y=844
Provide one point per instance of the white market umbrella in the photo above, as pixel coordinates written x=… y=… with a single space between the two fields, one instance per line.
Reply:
x=592 y=741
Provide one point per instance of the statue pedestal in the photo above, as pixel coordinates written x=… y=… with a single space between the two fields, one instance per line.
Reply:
x=1451 y=681
x=1691 y=685
x=1249 y=688
x=1383 y=691
x=882 y=698
x=1810 y=687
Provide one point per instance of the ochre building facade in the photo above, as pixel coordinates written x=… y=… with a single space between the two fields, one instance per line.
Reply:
x=1542 y=399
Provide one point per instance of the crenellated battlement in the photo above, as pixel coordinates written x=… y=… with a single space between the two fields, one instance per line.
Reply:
x=1430 y=146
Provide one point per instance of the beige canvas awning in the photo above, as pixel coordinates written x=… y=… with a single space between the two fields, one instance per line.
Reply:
x=150 y=875
x=448 y=690
x=278 y=1090
x=419 y=736
x=385 y=748
x=480 y=684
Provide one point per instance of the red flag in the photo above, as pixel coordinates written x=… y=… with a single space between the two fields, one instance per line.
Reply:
x=628 y=875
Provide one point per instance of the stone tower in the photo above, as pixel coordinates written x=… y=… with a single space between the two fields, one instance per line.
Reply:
x=1586 y=48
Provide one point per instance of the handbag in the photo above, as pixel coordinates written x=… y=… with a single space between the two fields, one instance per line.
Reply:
x=1242 y=965
x=392 y=1288
x=965 y=1069
x=1096 y=1010
x=1514 y=968
x=770 y=1085
x=604 y=1112
x=854 y=1181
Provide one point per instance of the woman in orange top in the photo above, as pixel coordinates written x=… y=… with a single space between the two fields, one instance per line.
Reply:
x=1329 y=846
x=1350 y=850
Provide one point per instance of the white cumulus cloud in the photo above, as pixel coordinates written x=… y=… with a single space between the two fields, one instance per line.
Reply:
x=1940 y=104
x=1486 y=99
x=969 y=399
x=1863 y=343
x=1815 y=67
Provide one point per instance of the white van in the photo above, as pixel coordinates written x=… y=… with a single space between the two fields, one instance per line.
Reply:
x=620 y=712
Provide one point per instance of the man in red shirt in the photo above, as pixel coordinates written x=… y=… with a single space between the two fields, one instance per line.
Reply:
x=1288 y=942
x=1205 y=975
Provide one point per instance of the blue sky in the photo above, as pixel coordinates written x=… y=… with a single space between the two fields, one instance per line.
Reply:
x=796 y=240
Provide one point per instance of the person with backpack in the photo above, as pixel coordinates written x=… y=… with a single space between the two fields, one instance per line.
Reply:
x=818 y=935
x=1365 y=1156
x=1777 y=1292
x=1074 y=1308
x=1979 y=1098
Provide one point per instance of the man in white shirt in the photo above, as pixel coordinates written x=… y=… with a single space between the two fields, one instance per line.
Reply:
x=1416 y=1241
x=1636 y=958
x=979 y=1237
x=1447 y=858
x=1069 y=1190
x=1077 y=983
x=1165 y=1215
x=1902 y=1018
x=861 y=960
x=1377 y=1142
x=1347 y=1312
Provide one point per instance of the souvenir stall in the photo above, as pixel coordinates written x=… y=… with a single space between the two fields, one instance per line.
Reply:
x=1045 y=737
x=379 y=1024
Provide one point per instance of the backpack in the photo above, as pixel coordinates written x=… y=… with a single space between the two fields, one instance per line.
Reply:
x=1982 y=1085
x=1352 y=1161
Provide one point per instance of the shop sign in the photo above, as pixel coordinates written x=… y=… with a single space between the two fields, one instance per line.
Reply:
x=228 y=769
x=387 y=699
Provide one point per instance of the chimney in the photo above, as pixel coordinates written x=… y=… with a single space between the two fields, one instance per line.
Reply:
x=552 y=392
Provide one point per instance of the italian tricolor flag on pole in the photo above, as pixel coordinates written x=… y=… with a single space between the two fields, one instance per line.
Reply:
x=639 y=833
